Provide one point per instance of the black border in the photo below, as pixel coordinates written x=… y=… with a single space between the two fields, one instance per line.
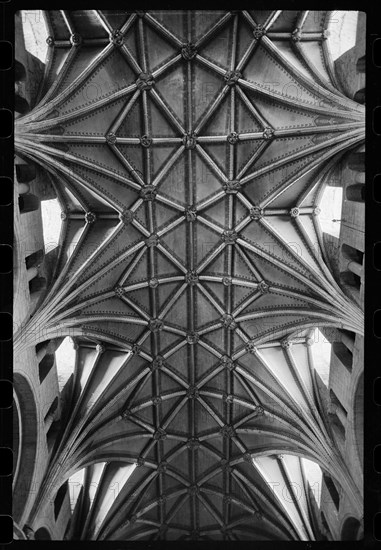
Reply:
x=372 y=346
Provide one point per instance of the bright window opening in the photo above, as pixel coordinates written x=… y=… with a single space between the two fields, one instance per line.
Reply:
x=330 y=210
x=342 y=32
x=51 y=223
x=314 y=478
x=321 y=353
x=35 y=33
x=75 y=486
x=121 y=474
x=65 y=358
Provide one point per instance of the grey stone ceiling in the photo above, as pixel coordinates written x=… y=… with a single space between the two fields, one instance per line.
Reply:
x=188 y=151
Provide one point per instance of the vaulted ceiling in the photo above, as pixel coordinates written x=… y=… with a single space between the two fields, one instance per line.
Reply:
x=189 y=151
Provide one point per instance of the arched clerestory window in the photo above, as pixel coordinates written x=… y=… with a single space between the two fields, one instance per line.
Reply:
x=321 y=355
x=51 y=223
x=333 y=492
x=61 y=495
x=330 y=207
x=42 y=534
x=355 y=192
x=350 y=529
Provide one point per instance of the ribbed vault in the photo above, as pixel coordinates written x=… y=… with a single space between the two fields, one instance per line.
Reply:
x=188 y=153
